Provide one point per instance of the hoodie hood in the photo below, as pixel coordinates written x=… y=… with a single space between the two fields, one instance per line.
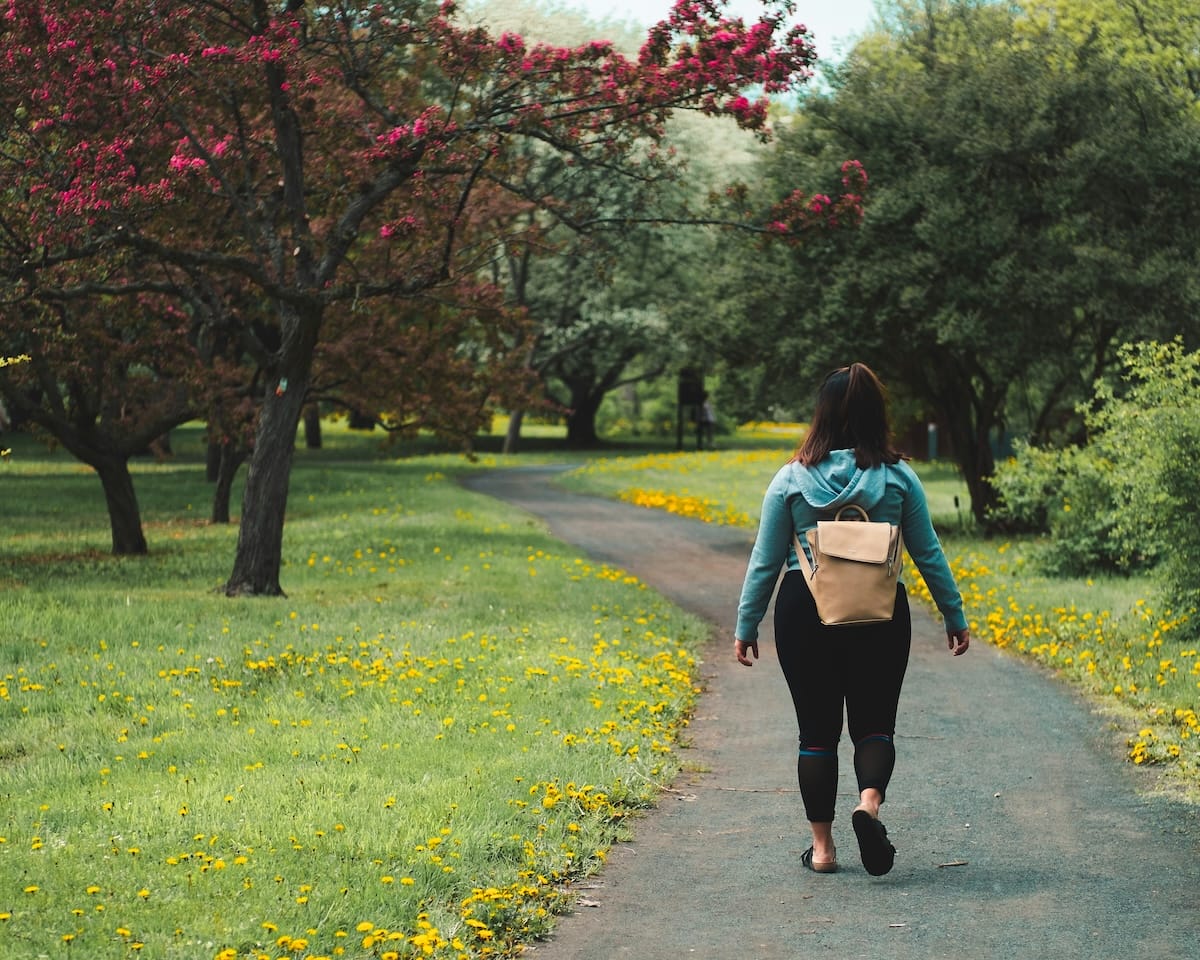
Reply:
x=838 y=480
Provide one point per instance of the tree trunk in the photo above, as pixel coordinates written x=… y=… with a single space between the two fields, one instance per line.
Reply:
x=123 y=514
x=264 y=501
x=312 y=427
x=513 y=435
x=581 y=421
x=230 y=459
x=973 y=452
x=212 y=461
x=360 y=421
x=581 y=429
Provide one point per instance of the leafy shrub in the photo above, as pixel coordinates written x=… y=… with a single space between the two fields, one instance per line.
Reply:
x=1156 y=422
x=1075 y=495
x=1126 y=499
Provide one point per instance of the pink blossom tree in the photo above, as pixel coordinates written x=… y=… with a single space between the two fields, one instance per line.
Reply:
x=324 y=157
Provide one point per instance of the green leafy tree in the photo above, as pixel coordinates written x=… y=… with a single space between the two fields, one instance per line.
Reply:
x=615 y=300
x=1032 y=206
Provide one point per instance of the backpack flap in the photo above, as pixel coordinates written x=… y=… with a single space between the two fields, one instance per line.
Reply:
x=854 y=540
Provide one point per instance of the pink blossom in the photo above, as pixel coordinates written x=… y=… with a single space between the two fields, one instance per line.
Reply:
x=394 y=136
x=511 y=43
x=182 y=164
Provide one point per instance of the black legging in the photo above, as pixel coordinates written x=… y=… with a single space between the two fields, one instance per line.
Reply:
x=862 y=667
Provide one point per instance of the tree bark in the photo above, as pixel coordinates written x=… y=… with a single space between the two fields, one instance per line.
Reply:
x=124 y=516
x=230 y=459
x=312 y=427
x=360 y=421
x=264 y=502
x=581 y=421
x=512 y=436
x=259 y=554
x=212 y=461
x=971 y=436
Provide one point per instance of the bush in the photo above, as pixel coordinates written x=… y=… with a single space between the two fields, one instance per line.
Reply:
x=1125 y=500
x=1075 y=495
x=1157 y=422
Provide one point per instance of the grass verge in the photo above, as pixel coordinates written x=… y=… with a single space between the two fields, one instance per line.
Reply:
x=447 y=721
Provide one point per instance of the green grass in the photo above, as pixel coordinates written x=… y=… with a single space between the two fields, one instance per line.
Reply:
x=447 y=719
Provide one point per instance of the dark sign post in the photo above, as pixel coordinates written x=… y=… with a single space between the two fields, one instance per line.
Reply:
x=691 y=396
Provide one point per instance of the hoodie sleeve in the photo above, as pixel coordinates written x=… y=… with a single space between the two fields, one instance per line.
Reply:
x=921 y=541
x=770 y=553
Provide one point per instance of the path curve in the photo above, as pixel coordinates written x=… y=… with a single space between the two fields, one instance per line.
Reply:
x=1021 y=833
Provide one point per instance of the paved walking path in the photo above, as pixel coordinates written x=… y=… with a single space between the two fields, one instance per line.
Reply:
x=1021 y=833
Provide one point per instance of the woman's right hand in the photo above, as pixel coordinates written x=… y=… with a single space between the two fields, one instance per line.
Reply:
x=959 y=641
x=741 y=648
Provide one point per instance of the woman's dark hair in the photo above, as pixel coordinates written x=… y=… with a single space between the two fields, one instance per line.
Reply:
x=851 y=413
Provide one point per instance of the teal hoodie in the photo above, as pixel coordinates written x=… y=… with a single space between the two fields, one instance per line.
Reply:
x=798 y=496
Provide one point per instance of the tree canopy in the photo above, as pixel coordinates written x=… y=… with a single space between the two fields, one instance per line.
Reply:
x=318 y=161
x=1033 y=206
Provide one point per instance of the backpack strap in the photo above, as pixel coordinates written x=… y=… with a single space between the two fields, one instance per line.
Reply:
x=809 y=570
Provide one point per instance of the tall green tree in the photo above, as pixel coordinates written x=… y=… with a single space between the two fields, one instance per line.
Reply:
x=614 y=299
x=1032 y=206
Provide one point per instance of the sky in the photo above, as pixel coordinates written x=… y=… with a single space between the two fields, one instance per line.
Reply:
x=831 y=22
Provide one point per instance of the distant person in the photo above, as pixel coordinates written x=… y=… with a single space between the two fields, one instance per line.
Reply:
x=846 y=458
x=706 y=425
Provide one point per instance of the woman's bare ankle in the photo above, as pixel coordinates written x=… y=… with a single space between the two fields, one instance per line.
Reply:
x=870 y=801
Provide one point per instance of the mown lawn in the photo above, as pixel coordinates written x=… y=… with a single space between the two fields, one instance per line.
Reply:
x=448 y=719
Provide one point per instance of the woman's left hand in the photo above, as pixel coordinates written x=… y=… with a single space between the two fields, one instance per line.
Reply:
x=741 y=648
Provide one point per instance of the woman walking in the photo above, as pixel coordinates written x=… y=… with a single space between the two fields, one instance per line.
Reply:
x=846 y=458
